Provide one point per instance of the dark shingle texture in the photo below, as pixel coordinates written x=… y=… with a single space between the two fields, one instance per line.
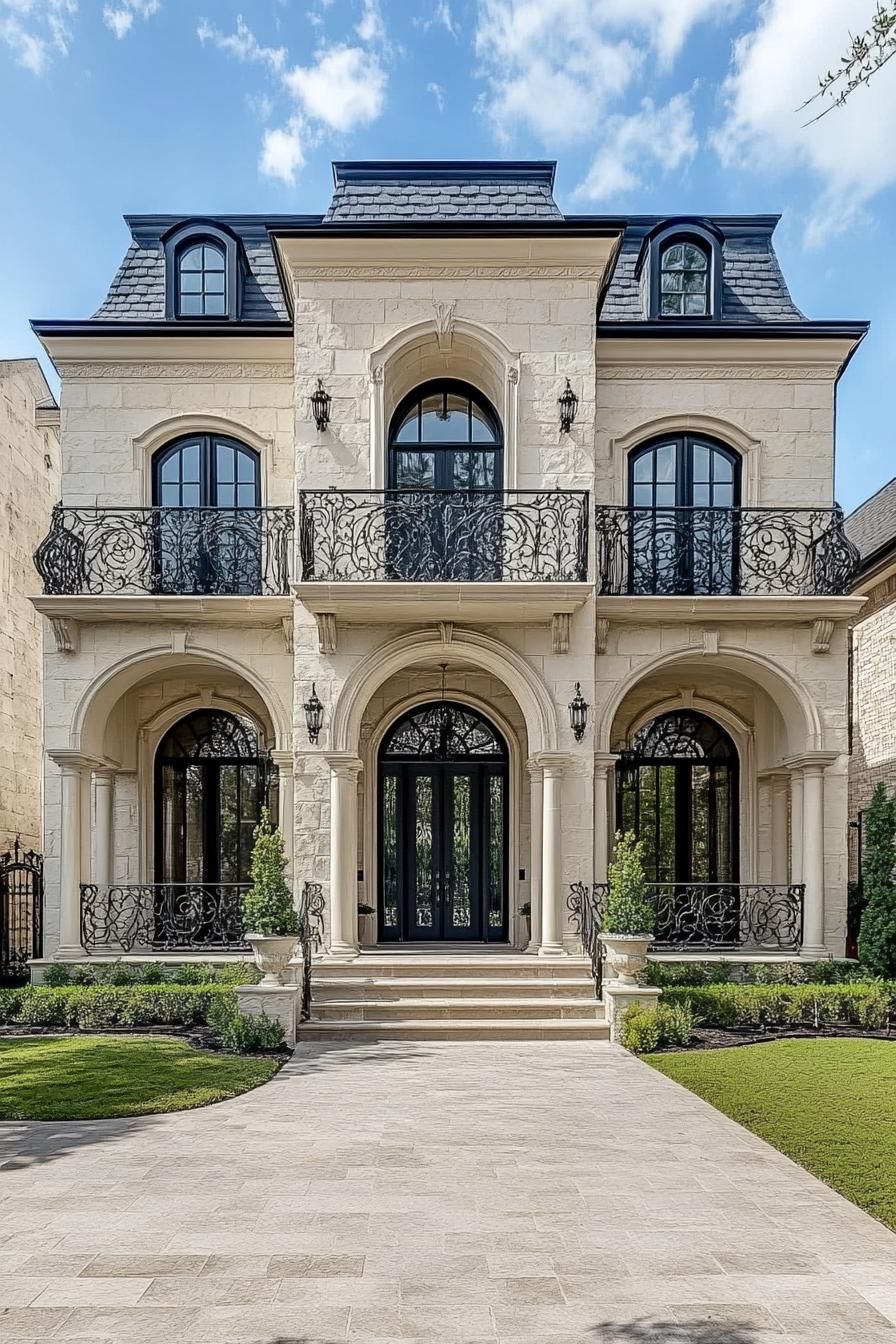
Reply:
x=137 y=294
x=872 y=525
x=440 y=199
x=753 y=288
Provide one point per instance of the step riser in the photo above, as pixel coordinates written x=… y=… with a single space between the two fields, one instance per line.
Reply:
x=434 y=1031
x=327 y=991
x=364 y=970
x=486 y=1012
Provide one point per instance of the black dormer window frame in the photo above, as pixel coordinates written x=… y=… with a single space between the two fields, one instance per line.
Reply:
x=180 y=240
x=709 y=241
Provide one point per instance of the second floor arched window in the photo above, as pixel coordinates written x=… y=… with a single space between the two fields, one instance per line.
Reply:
x=446 y=435
x=206 y=471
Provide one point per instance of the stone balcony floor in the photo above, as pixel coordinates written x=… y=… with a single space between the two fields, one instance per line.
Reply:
x=538 y=1191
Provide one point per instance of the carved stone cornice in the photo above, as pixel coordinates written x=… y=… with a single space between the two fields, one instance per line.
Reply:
x=791 y=373
x=427 y=272
x=192 y=370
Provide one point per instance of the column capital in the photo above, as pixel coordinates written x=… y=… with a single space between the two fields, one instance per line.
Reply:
x=283 y=760
x=344 y=764
x=534 y=767
x=812 y=760
x=70 y=761
x=552 y=763
x=105 y=774
x=604 y=761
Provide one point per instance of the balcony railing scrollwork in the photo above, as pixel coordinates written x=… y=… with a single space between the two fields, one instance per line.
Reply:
x=700 y=916
x=163 y=917
x=721 y=551
x=167 y=551
x=433 y=536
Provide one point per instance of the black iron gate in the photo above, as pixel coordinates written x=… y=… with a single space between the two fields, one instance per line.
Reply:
x=21 y=911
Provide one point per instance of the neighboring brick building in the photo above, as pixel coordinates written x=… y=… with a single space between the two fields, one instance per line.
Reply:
x=29 y=487
x=872 y=528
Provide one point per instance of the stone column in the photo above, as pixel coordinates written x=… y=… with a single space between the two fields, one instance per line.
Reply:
x=344 y=771
x=104 y=784
x=813 y=860
x=74 y=769
x=779 y=809
x=552 y=904
x=603 y=811
x=796 y=825
x=536 y=805
x=286 y=809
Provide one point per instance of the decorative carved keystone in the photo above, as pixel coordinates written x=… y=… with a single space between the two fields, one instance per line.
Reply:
x=821 y=636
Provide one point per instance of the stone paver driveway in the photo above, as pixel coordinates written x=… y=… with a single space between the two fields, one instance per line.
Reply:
x=549 y=1192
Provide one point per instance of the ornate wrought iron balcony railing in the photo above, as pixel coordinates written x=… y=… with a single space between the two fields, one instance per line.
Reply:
x=700 y=916
x=437 y=536
x=167 y=551
x=720 y=552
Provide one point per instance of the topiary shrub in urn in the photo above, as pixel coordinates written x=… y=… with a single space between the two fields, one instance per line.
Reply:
x=628 y=921
x=269 y=915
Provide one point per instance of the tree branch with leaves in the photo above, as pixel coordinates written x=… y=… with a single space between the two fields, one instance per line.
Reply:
x=866 y=55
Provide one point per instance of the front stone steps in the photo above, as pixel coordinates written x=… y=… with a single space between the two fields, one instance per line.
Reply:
x=488 y=995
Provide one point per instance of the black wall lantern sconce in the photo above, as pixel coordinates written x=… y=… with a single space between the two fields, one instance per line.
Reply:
x=320 y=405
x=314 y=716
x=569 y=404
x=578 y=713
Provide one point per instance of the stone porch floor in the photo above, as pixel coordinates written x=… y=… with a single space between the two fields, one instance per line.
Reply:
x=545 y=1192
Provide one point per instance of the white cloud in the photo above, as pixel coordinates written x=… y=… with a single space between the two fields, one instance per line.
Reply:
x=344 y=88
x=438 y=93
x=441 y=15
x=120 y=18
x=281 y=151
x=850 y=152
x=651 y=141
x=34 y=30
x=371 y=27
x=243 y=44
x=556 y=67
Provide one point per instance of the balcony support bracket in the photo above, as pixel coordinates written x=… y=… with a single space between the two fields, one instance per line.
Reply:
x=560 y=632
x=821 y=636
x=66 y=634
x=326 y=631
x=601 y=634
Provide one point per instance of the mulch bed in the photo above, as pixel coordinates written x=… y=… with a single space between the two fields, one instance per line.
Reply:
x=718 y=1038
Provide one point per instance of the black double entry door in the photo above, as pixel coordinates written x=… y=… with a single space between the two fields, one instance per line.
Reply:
x=443 y=829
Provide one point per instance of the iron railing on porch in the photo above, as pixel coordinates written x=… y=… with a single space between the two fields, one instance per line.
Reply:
x=700 y=916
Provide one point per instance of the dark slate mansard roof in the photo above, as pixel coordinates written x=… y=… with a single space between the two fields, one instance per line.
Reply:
x=872 y=526
x=509 y=193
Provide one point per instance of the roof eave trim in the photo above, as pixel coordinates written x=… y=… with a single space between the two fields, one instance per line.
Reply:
x=99 y=327
x=728 y=328
x=487 y=228
x=449 y=170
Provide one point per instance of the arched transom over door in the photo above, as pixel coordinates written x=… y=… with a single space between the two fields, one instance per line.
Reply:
x=677 y=789
x=445 y=478
x=442 y=827
x=684 y=492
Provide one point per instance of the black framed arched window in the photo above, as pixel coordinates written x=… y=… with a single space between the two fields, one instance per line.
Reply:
x=201 y=279
x=684 y=493
x=446 y=435
x=208 y=525
x=677 y=789
x=204 y=266
x=212 y=777
x=685 y=272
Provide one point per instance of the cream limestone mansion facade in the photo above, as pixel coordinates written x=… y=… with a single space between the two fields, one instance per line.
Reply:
x=464 y=533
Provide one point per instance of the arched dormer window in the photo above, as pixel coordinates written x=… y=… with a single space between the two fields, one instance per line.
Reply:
x=202 y=273
x=681 y=262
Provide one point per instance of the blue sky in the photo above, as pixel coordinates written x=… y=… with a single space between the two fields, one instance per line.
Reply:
x=205 y=106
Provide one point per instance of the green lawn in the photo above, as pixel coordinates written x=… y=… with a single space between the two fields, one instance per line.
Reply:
x=828 y=1104
x=97 y=1077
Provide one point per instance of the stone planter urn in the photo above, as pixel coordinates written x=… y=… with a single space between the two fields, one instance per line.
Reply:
x=367 y=928
x=626 y=955
x=272 y=953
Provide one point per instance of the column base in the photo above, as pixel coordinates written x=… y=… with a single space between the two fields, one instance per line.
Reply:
x=69 y=952
x=342 y=952
x=552 y=950
x=815 y=952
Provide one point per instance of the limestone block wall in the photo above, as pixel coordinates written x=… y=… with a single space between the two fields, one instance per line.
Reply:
x=30 y=473
x=873 y=759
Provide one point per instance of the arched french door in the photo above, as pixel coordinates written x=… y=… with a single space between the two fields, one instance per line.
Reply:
x=684 y=493
x=211 y=780
x=445 y=478
x=677 y=789
x=442 y=827
x=207 y=490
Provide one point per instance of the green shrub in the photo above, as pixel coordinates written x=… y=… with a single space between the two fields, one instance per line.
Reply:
x=236 y=973
x=193 y=973
x=812 y=1005
x=877 y=937
x=98 y=1006
x=875 y=1008
x=84 y=975
x=245 y=1035
x=639 y=1029
x=10 y=1003
x=676 y=1023
x=152 y=974
x=120 y=973
x=57 y=975
x=628 y=910
x=268 y=906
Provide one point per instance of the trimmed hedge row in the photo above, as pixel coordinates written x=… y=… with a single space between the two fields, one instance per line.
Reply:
x=870 y=1005
x=98 y=1006
x=665 y=974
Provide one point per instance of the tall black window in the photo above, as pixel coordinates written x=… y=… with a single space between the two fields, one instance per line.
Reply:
x=684 y=492
x=684 y=279
x=446 y=436
x=201 y=280
x=210 y=780
x=208 y=532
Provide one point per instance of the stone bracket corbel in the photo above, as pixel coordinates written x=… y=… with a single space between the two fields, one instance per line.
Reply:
x=822 y=632
x=66 y=634
x=288 y=634
x=326 y=631
x=560 y=632
x=601 y=634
